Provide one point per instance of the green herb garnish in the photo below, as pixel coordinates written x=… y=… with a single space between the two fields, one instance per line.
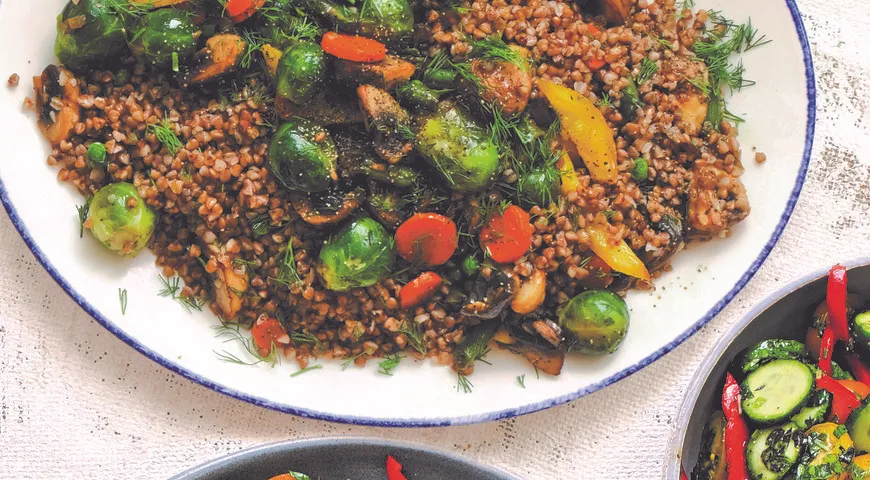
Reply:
x=166 y=135
x=122 y=296
x=389 y=363
x=521 y=380
x=305 y=370
x=83 y=210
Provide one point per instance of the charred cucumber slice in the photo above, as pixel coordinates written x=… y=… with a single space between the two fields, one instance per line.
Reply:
x=776 y=391
x=772 y=452
x=858 y=425
x=862 y=327
x=711 y=459
x=815 y=411
x=773 y=349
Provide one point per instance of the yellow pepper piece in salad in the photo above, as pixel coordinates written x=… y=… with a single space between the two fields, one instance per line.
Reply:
x=272 y=56
x=586 y=127
x=618 y=256
x=570 y=182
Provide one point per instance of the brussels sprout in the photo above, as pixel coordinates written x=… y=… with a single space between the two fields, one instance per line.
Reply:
x=416 y=95
x=302 y=156
x=301 y=71
x=385 y=20
x=165 y=37
x=459 y=147
x=360 y=255
x=119 y=218
x=88 y=31
x=538 y=186
x=96 y=156
x=598 y=319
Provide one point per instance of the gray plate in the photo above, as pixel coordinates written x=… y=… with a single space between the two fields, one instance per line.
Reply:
x=341 y=459
x=786 y=314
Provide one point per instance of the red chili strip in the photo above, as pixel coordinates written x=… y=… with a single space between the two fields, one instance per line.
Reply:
x=836 y=300
x=394 y=469
x=827 y=350
x=683 y=475
x=859 y=368
x=736 y=432
x=843 y=402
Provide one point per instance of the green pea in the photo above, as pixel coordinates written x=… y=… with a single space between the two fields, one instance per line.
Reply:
x=640 y=170
x=97 y=155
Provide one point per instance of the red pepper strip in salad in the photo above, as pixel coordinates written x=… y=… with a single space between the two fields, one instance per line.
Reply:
x=859 y=369
x=394 y=469
x=736 y=432
x=844 y=401
x=836 y=300
x=683 y=475
x=827 y=350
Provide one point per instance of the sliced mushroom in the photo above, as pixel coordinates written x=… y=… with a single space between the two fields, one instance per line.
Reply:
x=539 y=342
x=221 y=55
x=488 y=297
x=389 y=122
x=230 y=284
x=531 y=293
x=328 y=207
x=386 y=74
x=549 y=331
x=503 y=84
x=717 y=199
x=57 y=102
x=326 y=108
x=615 y=11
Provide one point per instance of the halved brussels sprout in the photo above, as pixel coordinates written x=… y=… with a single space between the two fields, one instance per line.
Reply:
x=598 y=319
x=459 y=147
x=119 y=218
x=301 y=71
x=165 y=37
x=360 y=255
x=88 y=31
x=302 y=156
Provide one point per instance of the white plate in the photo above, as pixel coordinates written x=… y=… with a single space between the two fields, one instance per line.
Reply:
x=780 y=111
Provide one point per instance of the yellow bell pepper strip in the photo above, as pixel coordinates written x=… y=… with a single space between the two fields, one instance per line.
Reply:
x=155 y=4
x=272 y=56
x=618 y=256
x=570 y=182
x=586 y=127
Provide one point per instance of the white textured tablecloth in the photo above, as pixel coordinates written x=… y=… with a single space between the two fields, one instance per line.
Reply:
x=77 y=403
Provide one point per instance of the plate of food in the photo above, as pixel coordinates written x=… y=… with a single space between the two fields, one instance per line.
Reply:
x=786 y=393
x=465 y=210
x=345 y=458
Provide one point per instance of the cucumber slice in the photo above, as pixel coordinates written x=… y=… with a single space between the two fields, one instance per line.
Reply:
x=772 y=452
x=858 y=425
x=815 y=411
x=773 y=349
x=861 y=325
x=776 y=391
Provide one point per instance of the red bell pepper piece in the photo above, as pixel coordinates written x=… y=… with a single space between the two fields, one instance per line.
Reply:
x=828 y=339
x=843 y=402
x=394 y=469
x=836 y=300
x=736 y=432
x=683 y=475
x=859 y=369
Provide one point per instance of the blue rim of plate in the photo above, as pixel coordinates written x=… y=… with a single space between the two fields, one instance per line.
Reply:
x=487 y=417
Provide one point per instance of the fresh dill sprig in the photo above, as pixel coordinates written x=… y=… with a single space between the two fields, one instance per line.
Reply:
x=307 y=338
x=389 y=363
x=414 y=332
x=172 y=287
x=166 y=135
x=241 y=262
x=305 y=370
x=648 y=68
x=684 y=4
x=83 y=210
x=463 y=384
x=260 y=224
x=537 y=373
x=122 y=296
x=664 y=43
x=521 y=380
x=231 y=332
x=350 y=360
x=288 y=275
x=494 y=48
x=604 y=101
x=253 y=43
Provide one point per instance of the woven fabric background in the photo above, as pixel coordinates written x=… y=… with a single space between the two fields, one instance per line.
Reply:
x=77 y=403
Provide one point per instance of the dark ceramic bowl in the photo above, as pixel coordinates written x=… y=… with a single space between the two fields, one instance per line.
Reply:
x=785 y=314
x=341 y=459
